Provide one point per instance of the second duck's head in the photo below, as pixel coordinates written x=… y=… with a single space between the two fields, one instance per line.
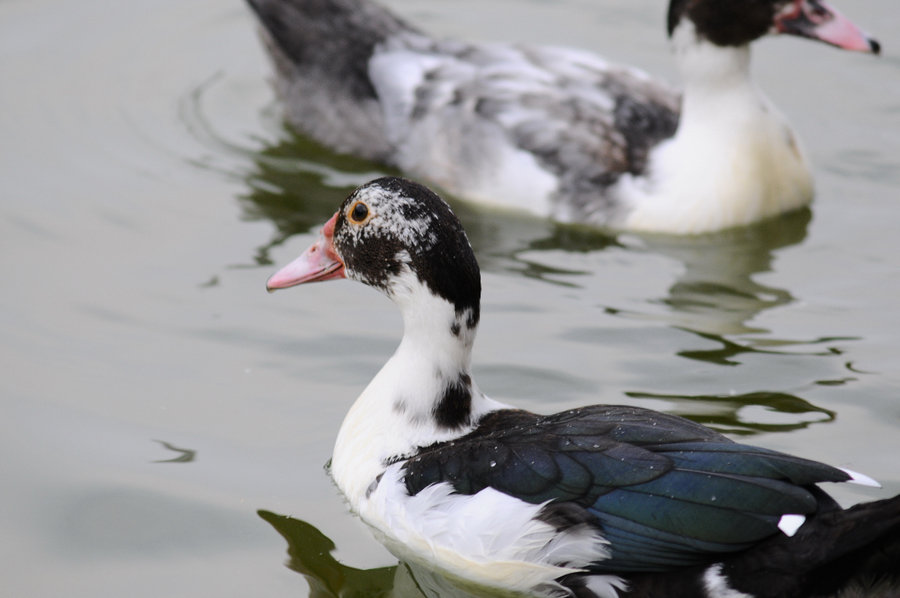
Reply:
x=738 y=22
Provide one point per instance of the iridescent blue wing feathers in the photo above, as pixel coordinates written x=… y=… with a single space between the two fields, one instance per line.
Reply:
x=665 y=491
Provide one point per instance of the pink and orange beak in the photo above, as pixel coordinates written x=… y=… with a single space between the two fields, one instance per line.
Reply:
x=319 y=262
x=816 y=20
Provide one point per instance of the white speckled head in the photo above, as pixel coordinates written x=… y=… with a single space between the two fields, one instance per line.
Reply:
x=391 y=227
x=380 y=209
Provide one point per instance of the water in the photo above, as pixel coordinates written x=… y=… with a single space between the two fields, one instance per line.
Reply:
x=154 y=398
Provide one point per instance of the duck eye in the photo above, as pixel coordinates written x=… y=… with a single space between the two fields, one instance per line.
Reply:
x=359 y=212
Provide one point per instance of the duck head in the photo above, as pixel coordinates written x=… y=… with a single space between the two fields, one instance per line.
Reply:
x=739 y=22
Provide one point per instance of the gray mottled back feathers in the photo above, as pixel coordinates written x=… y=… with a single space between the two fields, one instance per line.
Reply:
x=586 y=122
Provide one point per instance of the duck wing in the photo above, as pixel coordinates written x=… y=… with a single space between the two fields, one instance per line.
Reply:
x=663 y=491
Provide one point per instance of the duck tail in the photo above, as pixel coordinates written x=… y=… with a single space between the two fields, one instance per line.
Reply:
x=337 y=35
x=851 y=552
x=320 y=50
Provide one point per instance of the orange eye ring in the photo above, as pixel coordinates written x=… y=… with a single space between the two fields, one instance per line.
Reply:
x=359 y=212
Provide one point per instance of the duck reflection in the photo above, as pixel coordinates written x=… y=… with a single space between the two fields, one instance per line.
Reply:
x=297 y=195
x=718 y=293
x=745 y=413
x=309 y=553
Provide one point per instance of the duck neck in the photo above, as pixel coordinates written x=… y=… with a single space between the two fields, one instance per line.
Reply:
x=716 y=78
x=733 y=159
x=423 y=394
x=433 y=366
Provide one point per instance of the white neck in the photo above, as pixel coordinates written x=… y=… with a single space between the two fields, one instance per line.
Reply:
x=733 y=159
x=395 y=414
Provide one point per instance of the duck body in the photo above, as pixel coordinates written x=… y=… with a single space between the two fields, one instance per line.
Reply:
x=559 y=132
x=601 y=501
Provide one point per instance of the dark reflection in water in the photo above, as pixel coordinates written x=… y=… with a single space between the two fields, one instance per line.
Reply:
x=309 y=553
x=296 y=195
x=724 y=412
x=718 y=283
x=730 y=350
x=183 y=455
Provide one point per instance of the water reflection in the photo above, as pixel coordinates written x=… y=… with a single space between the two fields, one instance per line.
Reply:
x=309 y=553
x=297 y=194
x=183 y=455
x=745 y=413
x=718 y=292
x=729 y=350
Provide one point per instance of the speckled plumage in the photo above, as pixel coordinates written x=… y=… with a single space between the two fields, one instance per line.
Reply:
x=418 y=240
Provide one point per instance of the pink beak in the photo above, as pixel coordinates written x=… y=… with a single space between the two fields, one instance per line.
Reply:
x=816 y=20
x=319 y=262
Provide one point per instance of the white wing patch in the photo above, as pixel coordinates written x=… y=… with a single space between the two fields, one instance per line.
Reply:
x=860 y=478
x=789 y=524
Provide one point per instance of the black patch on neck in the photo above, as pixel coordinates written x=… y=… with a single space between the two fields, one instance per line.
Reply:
x=725 y=22
x=472 y=318
x=454 y=409
x=467 y=319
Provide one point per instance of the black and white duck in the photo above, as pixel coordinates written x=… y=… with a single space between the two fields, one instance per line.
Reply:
x=559 y=132
x=600 y=501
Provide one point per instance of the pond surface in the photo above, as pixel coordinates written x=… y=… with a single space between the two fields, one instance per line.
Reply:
x=154 y=398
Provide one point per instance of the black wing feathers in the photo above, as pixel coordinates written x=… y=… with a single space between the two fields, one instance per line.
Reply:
x=665 y=491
